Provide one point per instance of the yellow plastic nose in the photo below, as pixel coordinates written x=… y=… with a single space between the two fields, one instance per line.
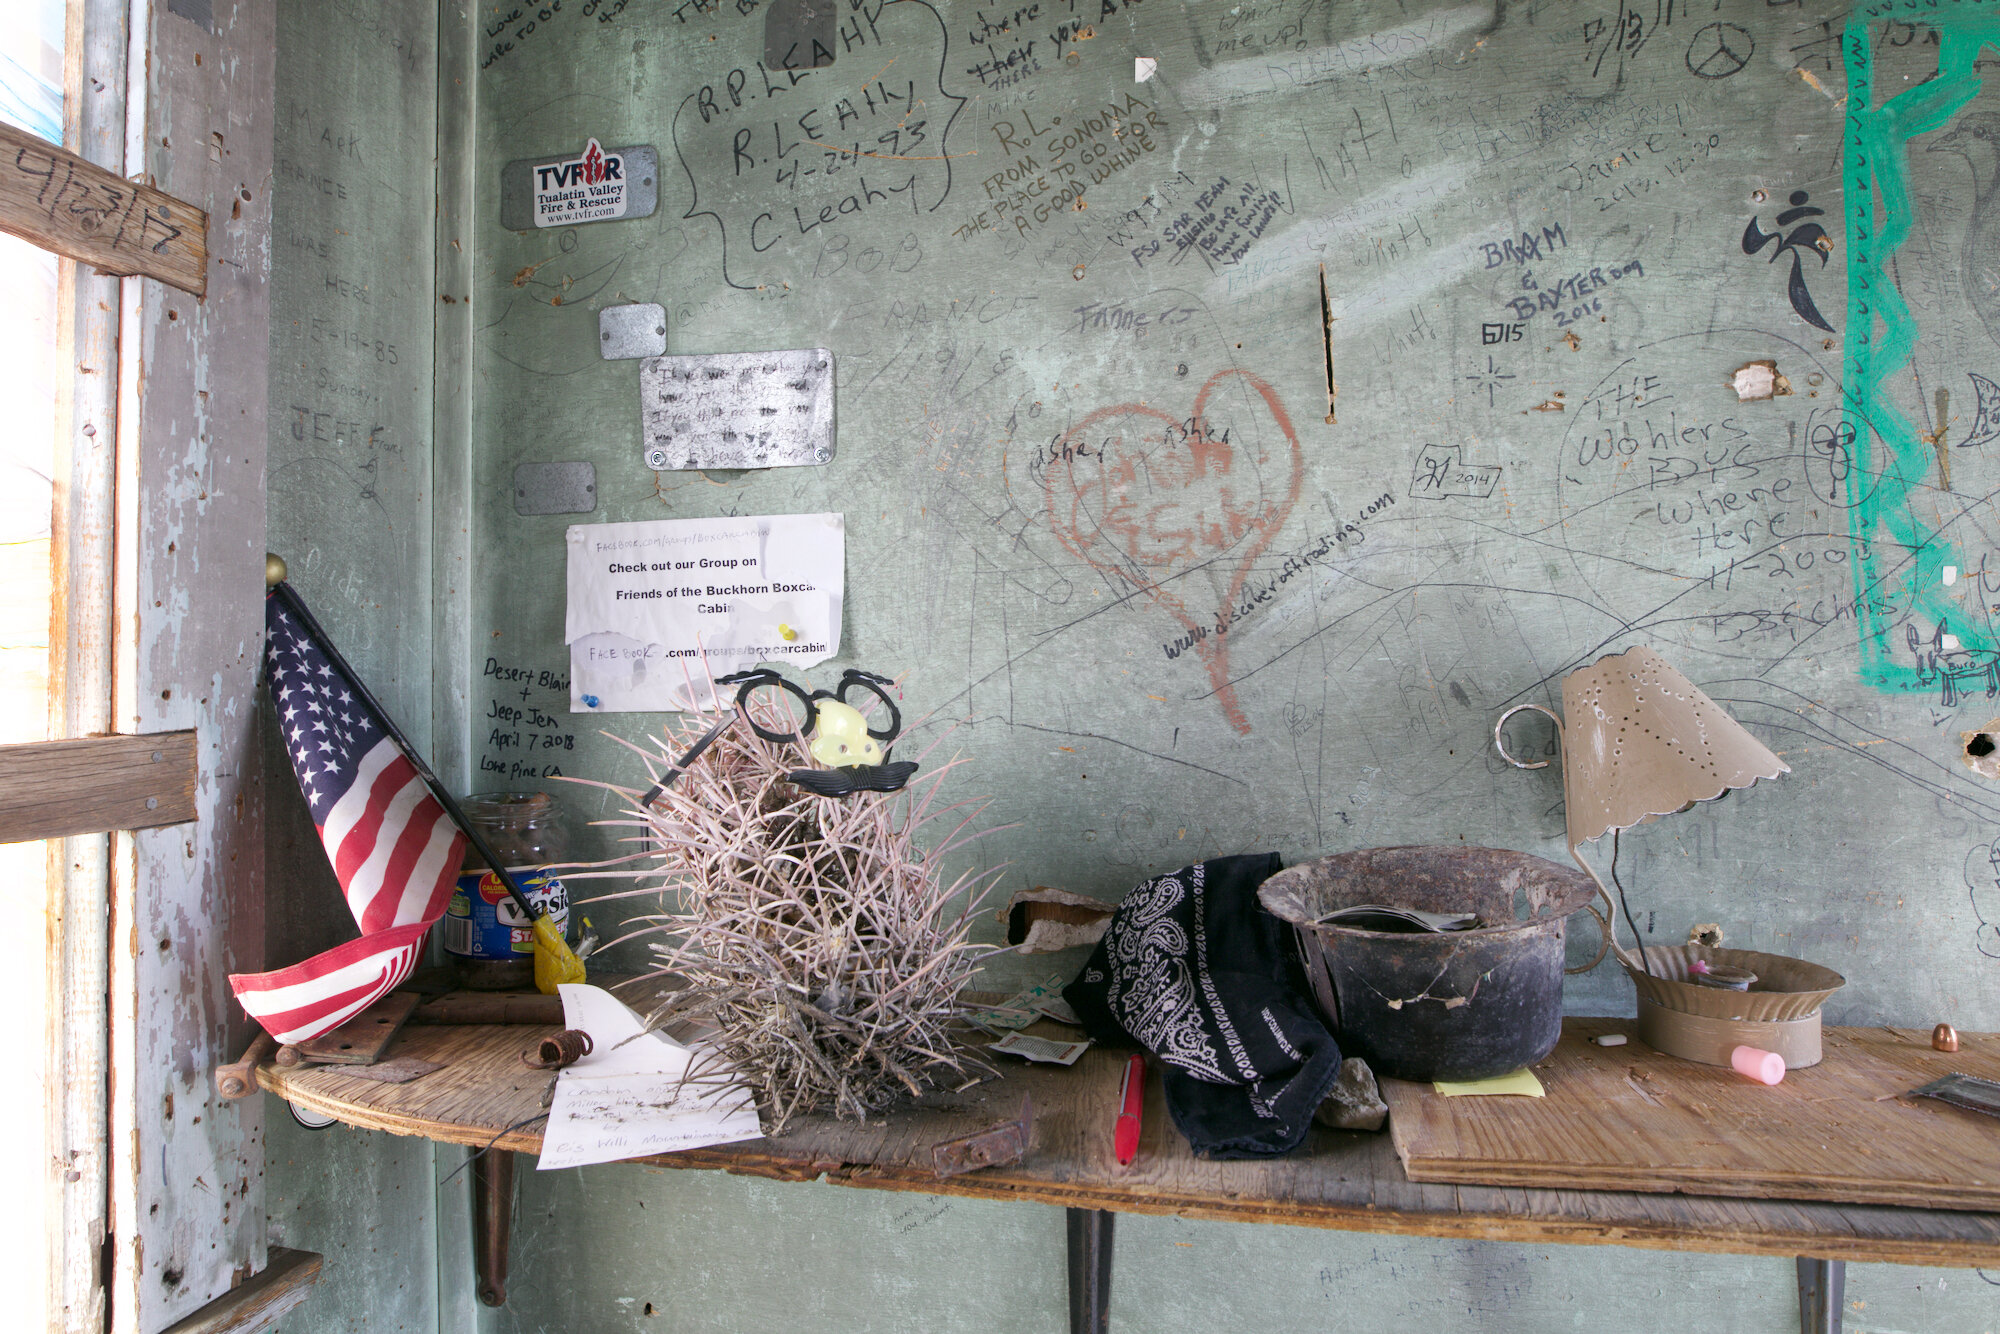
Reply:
x=843 y=738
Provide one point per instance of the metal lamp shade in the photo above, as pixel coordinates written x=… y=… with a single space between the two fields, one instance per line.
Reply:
x=1640 y=740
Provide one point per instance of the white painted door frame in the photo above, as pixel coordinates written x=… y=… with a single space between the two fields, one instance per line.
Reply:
x=166 y=427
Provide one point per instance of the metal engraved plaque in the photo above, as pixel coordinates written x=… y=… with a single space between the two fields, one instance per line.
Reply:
x=626 y=333
x=529 y=184
x=555 y=488
x=737 y=410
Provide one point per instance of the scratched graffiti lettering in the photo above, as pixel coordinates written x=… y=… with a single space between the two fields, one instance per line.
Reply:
x=1180 y=509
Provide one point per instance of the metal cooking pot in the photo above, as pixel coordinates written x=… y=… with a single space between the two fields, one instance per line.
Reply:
x=1437 y=1005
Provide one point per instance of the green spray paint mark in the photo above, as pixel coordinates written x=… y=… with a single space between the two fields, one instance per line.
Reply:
x=1898 y=558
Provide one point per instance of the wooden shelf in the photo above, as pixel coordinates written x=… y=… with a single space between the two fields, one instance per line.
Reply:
x=1834 y=1132
x=1354 y=1182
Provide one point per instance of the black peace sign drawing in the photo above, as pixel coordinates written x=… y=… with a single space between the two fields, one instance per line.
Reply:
x=1719 y=50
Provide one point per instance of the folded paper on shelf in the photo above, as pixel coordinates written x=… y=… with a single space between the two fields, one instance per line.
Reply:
x=651 y=602
x=1022 y=1008
x=1040 y=1049
x=630 y=1096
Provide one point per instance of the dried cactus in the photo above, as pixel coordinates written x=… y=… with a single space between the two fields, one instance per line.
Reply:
x=815 y=935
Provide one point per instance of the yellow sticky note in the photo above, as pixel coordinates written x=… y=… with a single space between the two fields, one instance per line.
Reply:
x=1522 y=1082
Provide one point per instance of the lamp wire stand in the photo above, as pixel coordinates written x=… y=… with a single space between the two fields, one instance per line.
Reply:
x=488 y=1147
x=1644 y=962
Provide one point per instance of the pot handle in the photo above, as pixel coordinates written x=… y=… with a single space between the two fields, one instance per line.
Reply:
x=1500 y=744
x=1603 y=939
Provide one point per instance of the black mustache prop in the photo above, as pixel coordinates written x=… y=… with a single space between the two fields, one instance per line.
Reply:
x=841 y=728
x=854 y=778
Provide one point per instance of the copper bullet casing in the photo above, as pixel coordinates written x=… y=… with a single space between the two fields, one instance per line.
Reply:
x=1944 y=1038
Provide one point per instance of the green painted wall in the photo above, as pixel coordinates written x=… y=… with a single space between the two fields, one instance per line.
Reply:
x=714 y=1253
x=363 y=1201
x=1484 y=192
x=350 y=509
x=1533 y=225
x=1481 y=184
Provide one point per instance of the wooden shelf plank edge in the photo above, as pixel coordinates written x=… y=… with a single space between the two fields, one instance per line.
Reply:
x=1472 y=1223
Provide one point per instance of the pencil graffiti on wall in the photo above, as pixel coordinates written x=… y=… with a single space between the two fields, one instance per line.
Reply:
x=1982 y=882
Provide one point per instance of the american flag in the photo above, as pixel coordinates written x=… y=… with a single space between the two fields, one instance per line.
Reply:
x=394 y=850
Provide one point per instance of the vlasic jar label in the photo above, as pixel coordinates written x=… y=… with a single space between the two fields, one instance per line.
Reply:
x=482 y=921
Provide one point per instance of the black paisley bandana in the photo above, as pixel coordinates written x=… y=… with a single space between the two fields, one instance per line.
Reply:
x=1193 y=969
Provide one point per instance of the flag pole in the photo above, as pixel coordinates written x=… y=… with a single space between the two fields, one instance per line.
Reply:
x=555 y=962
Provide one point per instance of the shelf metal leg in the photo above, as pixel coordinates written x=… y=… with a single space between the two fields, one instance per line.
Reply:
x=492 y=1223
x=1822 y=1291
x=1090 y=1250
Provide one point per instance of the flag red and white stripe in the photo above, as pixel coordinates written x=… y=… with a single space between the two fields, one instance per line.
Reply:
x=393 y=848
x=300 y=1003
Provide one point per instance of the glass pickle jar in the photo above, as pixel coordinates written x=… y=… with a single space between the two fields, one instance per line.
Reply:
x=483 y=930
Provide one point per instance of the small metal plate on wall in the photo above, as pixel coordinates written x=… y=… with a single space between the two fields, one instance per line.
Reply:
x=737 y=410
x=640 y=165
x=800 y=34
x=627 y=332
x=555 y=488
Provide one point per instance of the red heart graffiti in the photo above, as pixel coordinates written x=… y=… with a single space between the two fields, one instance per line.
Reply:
x=1152 y=500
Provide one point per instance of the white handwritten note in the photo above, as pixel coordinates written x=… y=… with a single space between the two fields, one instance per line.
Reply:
x=629 y=1097
x=649 y=602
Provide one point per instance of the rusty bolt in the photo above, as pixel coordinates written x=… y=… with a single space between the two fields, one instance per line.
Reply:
x=1944 y=1037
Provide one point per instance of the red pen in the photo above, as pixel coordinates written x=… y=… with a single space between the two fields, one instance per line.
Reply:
x=1131 y=1102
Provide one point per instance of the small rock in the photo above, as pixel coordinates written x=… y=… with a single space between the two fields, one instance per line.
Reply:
x=1355 y=1102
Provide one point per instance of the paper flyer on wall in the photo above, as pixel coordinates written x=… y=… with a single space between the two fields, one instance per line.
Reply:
x=628 y=1097
x=649 y=601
